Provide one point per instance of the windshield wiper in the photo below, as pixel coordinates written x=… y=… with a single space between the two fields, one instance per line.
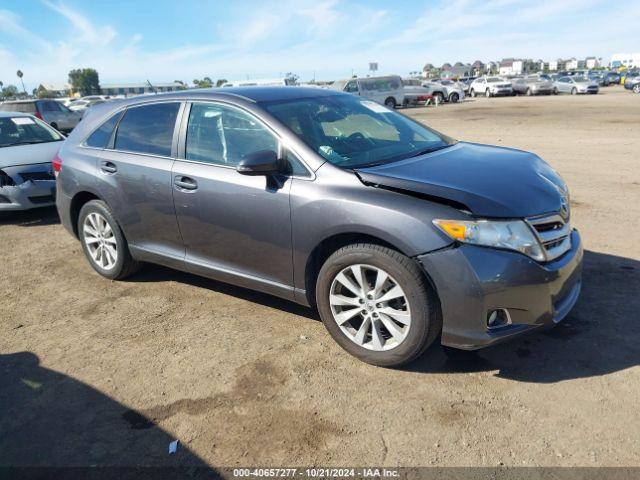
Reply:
x=28 y=142
x=428 y=150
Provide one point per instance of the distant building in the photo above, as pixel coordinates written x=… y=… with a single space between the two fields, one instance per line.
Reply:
x=592 y=62
x=477 y=68
x=138 y=88
x=571 y=64
x=58 y=89
x=511 y=66
x=491 y=67
x=459 y=70
x=628 y=60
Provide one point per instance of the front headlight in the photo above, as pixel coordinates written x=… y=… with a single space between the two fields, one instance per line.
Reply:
x=512 y=235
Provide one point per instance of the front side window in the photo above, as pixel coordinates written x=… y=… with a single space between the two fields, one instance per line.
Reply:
x=352 y=87
x=223 y=135
x=351 y=132
x=148 y=129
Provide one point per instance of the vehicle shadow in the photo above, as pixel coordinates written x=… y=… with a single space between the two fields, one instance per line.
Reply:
x=600 y=336
x=157 y=273
x=50 y=420
x=37 y=217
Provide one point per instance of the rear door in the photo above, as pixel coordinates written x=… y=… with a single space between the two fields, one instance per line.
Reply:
x=236 y=228
x=134 y=178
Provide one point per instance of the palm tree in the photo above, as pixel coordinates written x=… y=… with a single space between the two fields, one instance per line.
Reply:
x=20 y=74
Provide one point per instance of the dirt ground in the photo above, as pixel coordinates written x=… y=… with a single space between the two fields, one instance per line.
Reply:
x=94 y=372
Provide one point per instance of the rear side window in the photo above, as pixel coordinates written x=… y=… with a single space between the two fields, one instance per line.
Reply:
x=148 y=129
x=100 y=137
x=22 y=107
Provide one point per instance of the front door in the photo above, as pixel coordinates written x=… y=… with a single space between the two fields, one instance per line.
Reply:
x=235 y=228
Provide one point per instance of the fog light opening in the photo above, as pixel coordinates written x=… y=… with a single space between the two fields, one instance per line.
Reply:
x=498 y=318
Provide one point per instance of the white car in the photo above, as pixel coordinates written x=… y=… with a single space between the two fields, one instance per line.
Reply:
x=490 y=87
x=444 y=91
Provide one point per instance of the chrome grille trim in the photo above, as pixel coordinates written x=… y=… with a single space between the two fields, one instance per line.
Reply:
x=553 y=233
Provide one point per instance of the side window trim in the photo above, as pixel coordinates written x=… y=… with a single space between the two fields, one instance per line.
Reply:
x=182 y=138
x=174 y=138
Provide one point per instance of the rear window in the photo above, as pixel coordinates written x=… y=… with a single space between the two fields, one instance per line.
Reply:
x=148 y=129
x=22 y=107
x=101 y=136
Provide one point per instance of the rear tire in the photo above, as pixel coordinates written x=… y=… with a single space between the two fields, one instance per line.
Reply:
x=54 y=125
x=390 y=103
x=487 y=93
x=472 y=92
x=454 y=97
x=555 y=91
x=438 y=97
x=574 y=91
x=421 y=324
x=103 y=242
x=636 y=88
x=528 y=92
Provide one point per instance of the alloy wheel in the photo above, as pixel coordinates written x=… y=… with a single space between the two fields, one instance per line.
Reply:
x=370 y=307
x=100 y=241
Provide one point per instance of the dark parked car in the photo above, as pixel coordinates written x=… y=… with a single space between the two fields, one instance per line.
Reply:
x=613 y=77
x=398 y=234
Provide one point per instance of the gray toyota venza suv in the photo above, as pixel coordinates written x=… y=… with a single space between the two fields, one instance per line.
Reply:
x=398 y=234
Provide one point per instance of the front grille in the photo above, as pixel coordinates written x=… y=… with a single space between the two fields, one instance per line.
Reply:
x=37 y=176
x=554 y=233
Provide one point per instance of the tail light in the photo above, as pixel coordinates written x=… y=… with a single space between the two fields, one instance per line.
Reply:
x=37 y=114
x=56 y=164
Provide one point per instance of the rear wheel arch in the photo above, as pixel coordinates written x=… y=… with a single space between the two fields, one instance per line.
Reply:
x=77 y=202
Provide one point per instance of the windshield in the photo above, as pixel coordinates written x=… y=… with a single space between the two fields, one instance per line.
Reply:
x=350 y=132
x=24 y=131
x=579 y=79
x=494 y=79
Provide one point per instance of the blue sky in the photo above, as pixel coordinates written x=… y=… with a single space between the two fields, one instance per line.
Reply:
x=182 y=40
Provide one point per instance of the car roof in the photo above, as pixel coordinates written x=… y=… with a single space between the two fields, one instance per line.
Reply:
x=251 y=94
x=4 y=114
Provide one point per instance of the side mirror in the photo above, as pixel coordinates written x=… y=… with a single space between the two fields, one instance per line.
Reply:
x=263 y=162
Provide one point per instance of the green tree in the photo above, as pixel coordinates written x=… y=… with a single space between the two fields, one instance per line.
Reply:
x=10 y=91
x=20 y=75
x=206 y=82
x=221 y=81
x=182 y=85
x=85 y=81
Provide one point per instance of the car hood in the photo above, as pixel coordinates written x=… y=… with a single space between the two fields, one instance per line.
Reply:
x=28 y=154
x=489 y=181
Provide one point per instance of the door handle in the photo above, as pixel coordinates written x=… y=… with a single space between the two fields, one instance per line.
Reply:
x=108 y=167
x=185 y=183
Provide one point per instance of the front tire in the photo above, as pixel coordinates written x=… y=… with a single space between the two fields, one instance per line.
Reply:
x=377 y=305
x=103 y=243
x=454 y=97
x=574 y=91
x=472 y=92
x=487 y=93
x=390 y=103
x=636 y=88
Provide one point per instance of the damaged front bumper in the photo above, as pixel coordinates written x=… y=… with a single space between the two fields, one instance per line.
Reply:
x=32 y=186
x=472 y=282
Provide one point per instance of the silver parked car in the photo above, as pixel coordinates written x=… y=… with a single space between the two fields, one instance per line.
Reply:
x=532 y=85
x=575 y=85
x=52 y=112
x=27 y=147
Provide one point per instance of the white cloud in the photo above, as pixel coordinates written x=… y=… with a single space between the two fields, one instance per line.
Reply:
x=89 y=33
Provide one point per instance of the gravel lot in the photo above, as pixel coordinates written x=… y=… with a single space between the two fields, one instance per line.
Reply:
x=94 y=372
